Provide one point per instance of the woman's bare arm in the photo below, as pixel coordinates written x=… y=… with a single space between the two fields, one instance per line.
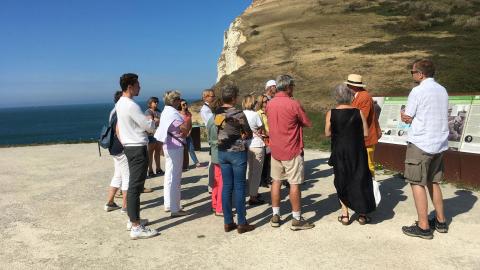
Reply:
x=328 y=131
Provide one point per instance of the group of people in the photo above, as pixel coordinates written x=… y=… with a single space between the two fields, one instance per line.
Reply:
x=266 y=136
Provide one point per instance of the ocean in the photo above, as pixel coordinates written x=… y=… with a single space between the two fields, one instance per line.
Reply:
x=54 y=124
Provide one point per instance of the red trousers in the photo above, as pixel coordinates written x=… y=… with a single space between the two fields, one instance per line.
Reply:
x=217 y=189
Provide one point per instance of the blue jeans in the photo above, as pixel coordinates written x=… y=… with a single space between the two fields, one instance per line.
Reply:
x=234 y=170
x=191 y=150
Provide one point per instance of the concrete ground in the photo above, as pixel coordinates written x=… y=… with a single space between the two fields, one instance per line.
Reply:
x=52 y=217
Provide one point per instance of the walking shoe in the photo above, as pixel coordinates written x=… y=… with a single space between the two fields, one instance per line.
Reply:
x=111 y=207
x=142 y=232
x=167 y=209
x=256 y=201
x=245 y=228
x=201 y=165
x=301 y=224
x=160 y=172
x=143 y=222
x=123 y=210
x=229 y=227
x=180 y=213
x=416 y=231
x=441 y=227
x=275 y=221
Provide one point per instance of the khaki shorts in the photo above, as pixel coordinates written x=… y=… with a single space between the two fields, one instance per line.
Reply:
x=290 y=170
x=421 y=167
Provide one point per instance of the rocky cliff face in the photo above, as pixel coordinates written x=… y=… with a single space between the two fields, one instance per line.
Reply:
x=229 y=60
x=319 y=42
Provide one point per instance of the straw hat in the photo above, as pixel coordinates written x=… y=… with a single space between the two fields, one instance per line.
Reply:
x=355 y=80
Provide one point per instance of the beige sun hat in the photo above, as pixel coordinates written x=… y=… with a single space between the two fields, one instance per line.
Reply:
x=355 y=80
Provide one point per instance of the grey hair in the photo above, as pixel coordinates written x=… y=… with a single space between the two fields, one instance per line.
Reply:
x=343 y=94
x=170 y=96
x=284 y=81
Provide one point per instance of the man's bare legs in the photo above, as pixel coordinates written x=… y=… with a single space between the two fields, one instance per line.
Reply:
x=294 y=195
x=437 y=200
x=421 y=203
x=275 y=192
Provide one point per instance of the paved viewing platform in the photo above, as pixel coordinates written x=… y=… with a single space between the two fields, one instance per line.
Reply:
x=52 y=217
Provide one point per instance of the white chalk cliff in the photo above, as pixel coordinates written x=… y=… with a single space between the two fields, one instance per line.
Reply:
x=229 y=61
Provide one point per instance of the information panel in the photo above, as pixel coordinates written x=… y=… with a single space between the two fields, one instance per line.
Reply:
x=393 y=129
x=471 y=135
x=458 y=108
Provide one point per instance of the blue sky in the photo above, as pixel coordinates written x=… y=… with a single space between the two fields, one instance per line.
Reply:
x=73 y=52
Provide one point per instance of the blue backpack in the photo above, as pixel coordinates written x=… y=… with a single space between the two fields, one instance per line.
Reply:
x=107 y=134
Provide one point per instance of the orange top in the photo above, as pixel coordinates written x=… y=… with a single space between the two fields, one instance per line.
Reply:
x=364 y=102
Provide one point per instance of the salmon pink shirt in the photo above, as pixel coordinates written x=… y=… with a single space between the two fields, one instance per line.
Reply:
x=286 y=119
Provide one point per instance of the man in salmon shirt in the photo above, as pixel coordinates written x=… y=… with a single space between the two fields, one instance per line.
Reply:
x=364 y=102
x=286 y=119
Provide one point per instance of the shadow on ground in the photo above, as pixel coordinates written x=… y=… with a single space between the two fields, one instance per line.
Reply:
x=392 y=194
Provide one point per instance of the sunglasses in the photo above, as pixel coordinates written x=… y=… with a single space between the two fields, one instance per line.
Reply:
x=414 y=71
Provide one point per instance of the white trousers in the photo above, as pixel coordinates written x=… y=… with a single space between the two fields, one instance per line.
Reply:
x=121 y=174
x=172 y=178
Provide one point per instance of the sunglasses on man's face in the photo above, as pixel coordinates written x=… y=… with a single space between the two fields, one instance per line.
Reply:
x=184 y=104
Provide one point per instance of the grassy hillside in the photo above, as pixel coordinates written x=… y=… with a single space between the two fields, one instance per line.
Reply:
x=321 y=42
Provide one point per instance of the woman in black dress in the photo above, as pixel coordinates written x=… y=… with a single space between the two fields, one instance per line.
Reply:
x=347 y=127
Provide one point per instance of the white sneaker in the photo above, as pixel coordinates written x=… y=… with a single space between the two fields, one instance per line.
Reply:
x=123 y=210
x=143 y=222
x=142 y=232
x=111 y=207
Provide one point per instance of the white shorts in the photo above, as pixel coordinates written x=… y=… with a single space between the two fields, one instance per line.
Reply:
x=122 y=173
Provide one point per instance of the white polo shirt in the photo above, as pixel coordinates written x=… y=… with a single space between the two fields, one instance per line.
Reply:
x=428 y=105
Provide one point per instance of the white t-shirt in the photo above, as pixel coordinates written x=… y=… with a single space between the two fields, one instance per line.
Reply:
x=255 y=122
x=132 y=123
x=205 y=113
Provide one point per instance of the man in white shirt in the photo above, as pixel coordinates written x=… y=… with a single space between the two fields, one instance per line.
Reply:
x=208 y=95
x=132 y=125
x=427 y=112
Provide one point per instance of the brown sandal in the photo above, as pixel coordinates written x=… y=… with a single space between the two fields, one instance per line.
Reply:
x=340 y=219
x=363 y=219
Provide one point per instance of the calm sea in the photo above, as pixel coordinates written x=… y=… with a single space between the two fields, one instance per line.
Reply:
x=54 y=124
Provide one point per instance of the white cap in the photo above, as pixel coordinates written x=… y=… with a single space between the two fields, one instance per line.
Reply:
x=270 y=83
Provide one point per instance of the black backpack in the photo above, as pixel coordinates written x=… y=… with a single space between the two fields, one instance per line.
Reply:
x=108 y=139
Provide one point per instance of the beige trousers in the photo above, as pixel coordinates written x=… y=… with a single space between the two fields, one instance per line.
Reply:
x=256 y=156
